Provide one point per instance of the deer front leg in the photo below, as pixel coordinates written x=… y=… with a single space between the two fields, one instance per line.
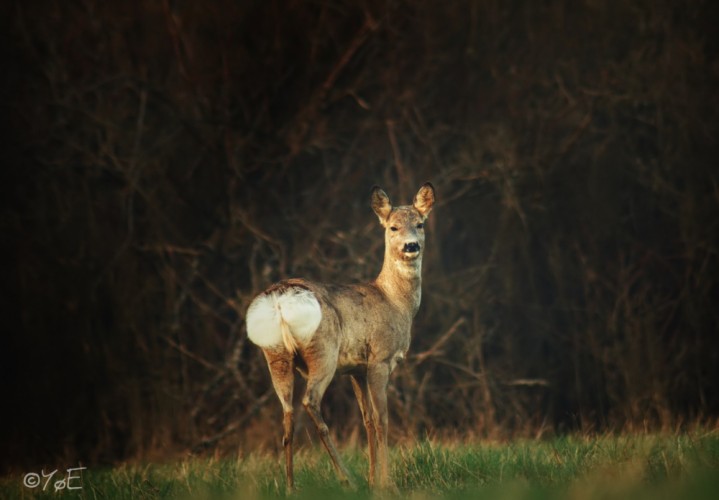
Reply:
x=377 y=380
x=359 y=384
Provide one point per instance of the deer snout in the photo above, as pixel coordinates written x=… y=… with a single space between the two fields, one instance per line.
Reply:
x=411 y=247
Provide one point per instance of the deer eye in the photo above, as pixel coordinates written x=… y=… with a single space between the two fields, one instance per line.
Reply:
x=393 y=228
x=420 y=225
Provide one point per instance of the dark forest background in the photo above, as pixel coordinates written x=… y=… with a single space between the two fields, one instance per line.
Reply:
x=166 y=160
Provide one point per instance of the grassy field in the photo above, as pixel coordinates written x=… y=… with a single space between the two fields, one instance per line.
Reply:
x=684 y=466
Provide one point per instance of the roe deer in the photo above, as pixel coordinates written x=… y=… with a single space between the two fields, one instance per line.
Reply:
x=362 y=330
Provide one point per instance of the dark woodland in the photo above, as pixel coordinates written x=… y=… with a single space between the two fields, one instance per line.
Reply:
x=165 y=161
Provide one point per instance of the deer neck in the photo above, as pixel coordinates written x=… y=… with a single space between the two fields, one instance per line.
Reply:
x=401 y=282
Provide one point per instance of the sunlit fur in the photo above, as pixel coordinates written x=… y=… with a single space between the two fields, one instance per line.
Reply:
x=296 y=307
x=361 y=329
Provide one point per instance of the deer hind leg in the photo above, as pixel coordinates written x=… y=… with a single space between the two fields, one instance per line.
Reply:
x=359 y=384
x=316 y=387
x=377 y=379
x=283 y=379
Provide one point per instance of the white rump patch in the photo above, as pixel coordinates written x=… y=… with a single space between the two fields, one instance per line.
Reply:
x=299 y=309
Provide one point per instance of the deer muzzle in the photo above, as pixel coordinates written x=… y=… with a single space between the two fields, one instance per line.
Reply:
x=411 y=247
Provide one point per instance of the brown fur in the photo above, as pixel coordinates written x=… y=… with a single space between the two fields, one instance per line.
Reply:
x=364 y=332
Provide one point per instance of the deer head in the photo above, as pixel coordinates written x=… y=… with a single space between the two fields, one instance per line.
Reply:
x=404 y=225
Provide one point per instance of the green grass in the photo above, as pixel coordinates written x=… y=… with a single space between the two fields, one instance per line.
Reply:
x=604 y=467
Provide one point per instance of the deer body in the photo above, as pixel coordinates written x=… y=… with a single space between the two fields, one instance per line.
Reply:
x=362 y=330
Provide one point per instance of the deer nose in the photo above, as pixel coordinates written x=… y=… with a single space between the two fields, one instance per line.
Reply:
x=411 y=247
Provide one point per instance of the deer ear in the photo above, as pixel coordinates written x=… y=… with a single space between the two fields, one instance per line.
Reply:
x=424 y=199
x=381 y=204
